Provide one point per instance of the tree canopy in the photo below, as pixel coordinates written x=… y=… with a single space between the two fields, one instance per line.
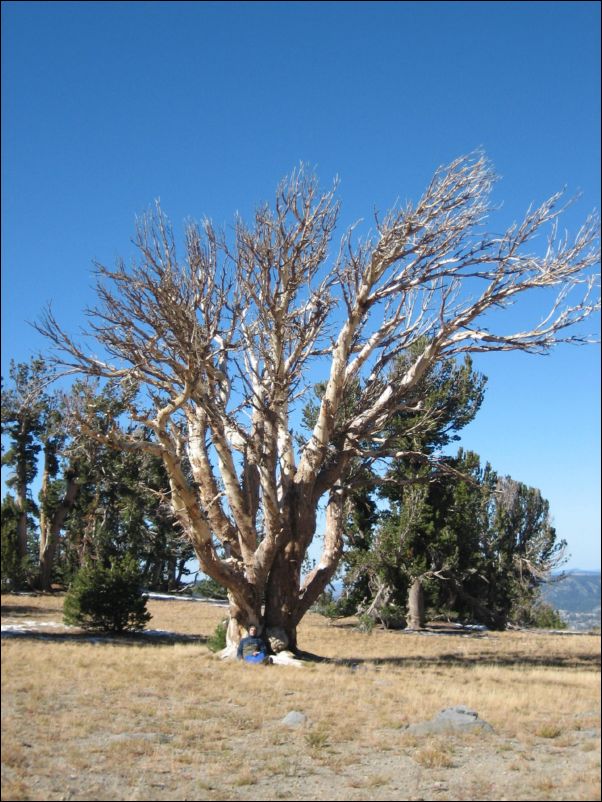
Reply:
x=214 y=348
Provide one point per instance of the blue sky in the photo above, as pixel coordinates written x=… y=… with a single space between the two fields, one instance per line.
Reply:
x=108 y=106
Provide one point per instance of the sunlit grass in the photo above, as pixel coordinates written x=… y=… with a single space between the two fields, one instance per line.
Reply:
x=87 y=718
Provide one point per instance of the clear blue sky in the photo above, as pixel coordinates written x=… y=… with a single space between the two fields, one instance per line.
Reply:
x=108 y=106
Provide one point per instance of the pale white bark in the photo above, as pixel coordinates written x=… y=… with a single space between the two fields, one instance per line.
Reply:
x=416 y=616
x=223 y=344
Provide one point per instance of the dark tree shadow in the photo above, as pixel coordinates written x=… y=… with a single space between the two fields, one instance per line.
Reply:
x=126 y=639
x=20 y=611
x=509 y=658
x=582 y=660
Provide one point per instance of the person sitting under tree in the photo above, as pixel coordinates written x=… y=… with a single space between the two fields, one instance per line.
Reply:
x=253 y=649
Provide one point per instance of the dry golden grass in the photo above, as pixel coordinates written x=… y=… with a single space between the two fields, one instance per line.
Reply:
x=139 y=719
x=434 y=755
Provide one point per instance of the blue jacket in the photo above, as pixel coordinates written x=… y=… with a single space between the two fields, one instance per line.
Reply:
x=250 y=645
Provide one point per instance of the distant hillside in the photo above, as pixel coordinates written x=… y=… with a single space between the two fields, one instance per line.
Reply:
x=576 y=597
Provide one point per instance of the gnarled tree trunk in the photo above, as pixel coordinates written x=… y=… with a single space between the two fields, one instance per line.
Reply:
x=218 y=348
x=50 y=526
x=416 y=616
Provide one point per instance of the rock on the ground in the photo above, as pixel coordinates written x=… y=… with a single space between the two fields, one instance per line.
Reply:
x=452 y=719
x=294 y=719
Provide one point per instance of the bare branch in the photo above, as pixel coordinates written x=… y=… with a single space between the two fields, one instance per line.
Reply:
x=219 y=345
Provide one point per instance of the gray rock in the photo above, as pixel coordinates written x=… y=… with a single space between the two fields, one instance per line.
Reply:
x=459 y=713
x=452 y=719
x=294 y=719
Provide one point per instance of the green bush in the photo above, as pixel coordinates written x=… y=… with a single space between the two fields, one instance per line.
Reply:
x=366 y=623
x=16 y=574
x=217 y=641
x=210 y=589
x=544 y=616
x=108 y=599
x=328 y=606
x=389 y=616
x=538 y=614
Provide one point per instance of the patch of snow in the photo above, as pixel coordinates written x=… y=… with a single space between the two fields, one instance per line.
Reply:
x=31 y=625
x=170 y=597
x=473 y=627
x=26 y=626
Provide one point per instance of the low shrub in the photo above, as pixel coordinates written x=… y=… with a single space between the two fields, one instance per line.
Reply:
x=540 y=615
x=210 y=589
x=108 y=599
x=328 y=606
x=217 y=641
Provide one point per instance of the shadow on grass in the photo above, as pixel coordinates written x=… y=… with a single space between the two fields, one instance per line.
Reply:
x=584 y=660
x=20 y=611
x=581 y=660
x=508 y=660
x=149 y=638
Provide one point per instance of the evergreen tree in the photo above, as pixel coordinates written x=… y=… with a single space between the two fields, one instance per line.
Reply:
x=93 y=500
x=219 y=344
x=120 y=509
x=17 y=571
x=521 y=550
x=456 y=539
x=122 y=504
x=381 y=564
x=107 y=597
x=24 y=406
x=469 y=544
x=60 y=485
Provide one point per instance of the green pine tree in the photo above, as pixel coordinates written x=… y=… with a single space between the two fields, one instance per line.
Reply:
x=107 y=598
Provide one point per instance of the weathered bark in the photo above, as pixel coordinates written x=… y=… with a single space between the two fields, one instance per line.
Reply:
x=21 y=504
x=21 y=495
x=50 y=528
x=282 y=594
x=224 y=342
x=241 y=617
x=416 y=617
x=317 y=581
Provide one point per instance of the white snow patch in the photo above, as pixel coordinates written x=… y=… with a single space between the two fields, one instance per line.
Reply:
x=169 y=597
x=29 y=624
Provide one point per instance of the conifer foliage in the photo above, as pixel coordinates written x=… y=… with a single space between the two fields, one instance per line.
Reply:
x=107 y=598
x=216 y=337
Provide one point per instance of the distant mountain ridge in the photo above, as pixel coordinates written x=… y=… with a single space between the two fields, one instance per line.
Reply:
x=576 y=596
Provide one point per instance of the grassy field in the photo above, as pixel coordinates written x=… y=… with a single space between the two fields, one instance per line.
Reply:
x=160 y=718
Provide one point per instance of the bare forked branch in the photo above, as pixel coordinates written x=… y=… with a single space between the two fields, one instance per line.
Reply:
x=219 y=345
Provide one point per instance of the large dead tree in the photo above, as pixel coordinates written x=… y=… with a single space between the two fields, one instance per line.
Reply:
x=217 y=350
